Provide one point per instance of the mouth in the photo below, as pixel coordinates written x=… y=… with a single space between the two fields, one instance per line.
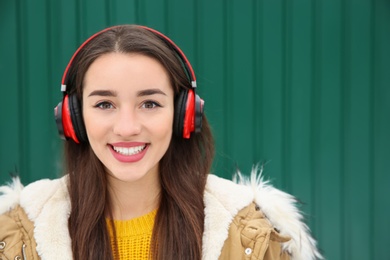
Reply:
x=128 y=151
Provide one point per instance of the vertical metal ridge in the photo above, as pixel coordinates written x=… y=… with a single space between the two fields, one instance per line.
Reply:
x=79 y=22
x=137 y=11
x=166 y=18
x=197 y=35
x=372 y=128
x=224 y=82
x=257 y=79
x=82 y=20
x=227 y=76
x=344 y=117
x=315 y=115
x=49 y=30
x=108 y=11
x=22 y=79
x=287 y=32
x=284 y=69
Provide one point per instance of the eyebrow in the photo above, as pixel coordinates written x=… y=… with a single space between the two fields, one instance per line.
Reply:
x=104 y=93
x=149 y=92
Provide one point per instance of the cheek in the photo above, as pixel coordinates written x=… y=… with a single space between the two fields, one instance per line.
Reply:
x=91 y=128
x=163 y=126
x=95 y=128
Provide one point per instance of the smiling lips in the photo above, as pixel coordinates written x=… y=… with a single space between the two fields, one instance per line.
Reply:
x=128 y=152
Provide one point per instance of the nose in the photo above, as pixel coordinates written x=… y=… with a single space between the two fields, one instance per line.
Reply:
x=127 y=123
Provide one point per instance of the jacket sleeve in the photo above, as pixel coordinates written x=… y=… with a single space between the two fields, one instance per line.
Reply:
x=16 y=236
x=252 y=237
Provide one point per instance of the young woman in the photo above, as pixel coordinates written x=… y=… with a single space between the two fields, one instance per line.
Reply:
x=138 y=157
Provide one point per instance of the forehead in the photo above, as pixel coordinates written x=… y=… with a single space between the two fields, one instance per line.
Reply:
x=121 y=69
x=118 y=60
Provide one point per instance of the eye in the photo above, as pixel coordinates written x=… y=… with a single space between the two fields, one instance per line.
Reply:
x=104 y=105
x=150 y=104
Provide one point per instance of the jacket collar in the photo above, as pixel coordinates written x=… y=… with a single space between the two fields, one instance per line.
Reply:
x=223 y=200
x=47 y=205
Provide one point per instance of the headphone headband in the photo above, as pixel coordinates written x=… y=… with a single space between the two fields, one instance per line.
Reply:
x=186 y=63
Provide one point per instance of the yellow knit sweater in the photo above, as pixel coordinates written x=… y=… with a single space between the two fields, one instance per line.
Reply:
x=133 y=237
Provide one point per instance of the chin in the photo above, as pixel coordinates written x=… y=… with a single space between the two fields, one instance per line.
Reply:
x=127 y=177
x=132 y=175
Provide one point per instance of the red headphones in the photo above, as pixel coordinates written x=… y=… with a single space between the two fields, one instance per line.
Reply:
x=188 y=105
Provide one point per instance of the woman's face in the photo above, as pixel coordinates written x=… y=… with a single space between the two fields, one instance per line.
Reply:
x=128 y=109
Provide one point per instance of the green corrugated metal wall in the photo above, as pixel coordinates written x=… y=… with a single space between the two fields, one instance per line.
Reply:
x=302 y=86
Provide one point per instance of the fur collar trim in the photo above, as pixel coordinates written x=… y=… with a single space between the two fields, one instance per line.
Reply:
x=46 y=203
x=10 y=195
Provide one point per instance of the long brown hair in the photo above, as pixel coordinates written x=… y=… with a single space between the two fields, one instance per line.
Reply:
x=178 y=228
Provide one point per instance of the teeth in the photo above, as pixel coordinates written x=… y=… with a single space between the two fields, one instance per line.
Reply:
x=129 y=150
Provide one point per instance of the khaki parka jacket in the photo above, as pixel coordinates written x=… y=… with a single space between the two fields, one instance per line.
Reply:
x=33 y=222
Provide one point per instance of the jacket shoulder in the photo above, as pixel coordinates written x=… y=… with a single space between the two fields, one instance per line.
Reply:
x=281 y=209
x=16 y=235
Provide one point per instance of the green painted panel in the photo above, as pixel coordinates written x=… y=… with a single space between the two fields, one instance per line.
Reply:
x=380 y=156
x=210 y=75
x=10 y=158
x=241 y=112
x=357 y=128
x=36 y=82
x=302 y=86
x=328 y=148
x=269 y=74
x=298 y=93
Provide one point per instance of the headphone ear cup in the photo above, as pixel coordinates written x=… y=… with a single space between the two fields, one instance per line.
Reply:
x=63 y=118
x=188 y=113
x=199 y=106
x=180 y=110
x=59 y=120
x=77 y=118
